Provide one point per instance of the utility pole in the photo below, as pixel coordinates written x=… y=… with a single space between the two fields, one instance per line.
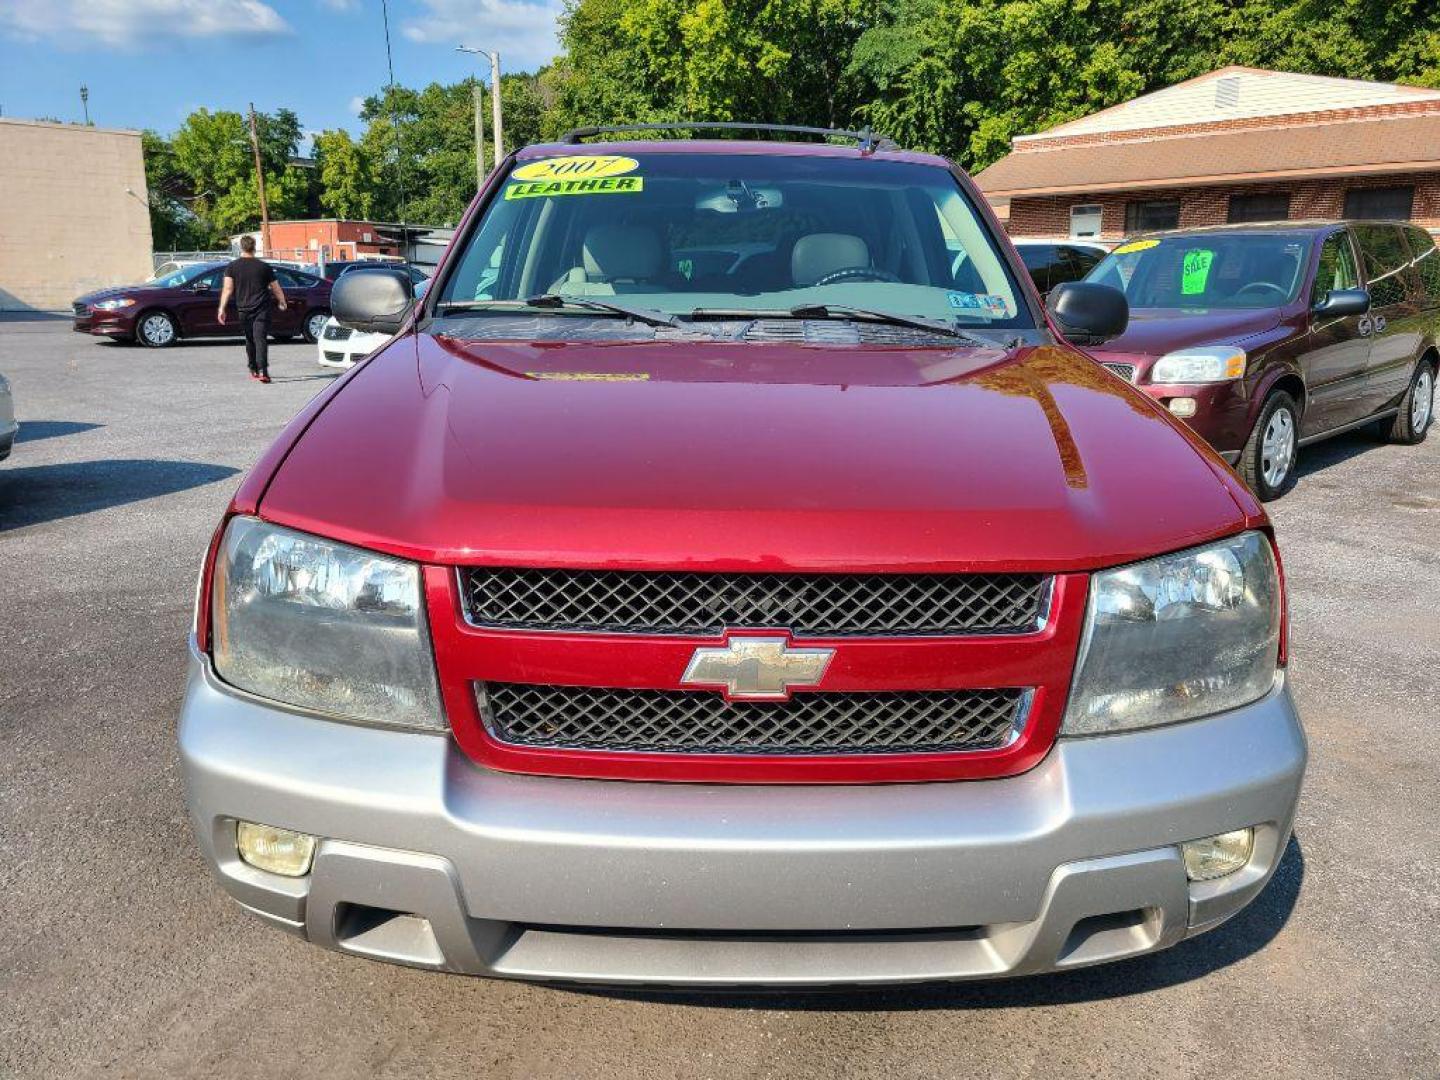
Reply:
x=497 y=120
x=260 y=185
x=479 y=92
x=85 y=102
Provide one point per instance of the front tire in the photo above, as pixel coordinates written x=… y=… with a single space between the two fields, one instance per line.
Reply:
x=315 y=324
x=1267 y=464
x=1417 y=408
x=156 y=330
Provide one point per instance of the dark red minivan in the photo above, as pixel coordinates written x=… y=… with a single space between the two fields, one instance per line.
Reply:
x=1267 y=337
x=184 y=303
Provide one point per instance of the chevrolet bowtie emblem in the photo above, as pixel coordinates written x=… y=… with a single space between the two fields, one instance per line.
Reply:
x=757 y=668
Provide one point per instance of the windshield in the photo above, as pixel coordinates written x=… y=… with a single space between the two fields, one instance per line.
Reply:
x=172 y=278
x=1208 y=270
x=680 y=233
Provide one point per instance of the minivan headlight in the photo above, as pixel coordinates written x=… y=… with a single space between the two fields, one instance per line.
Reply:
x=323 y=626
x=1202 y=364
x=1178 y=637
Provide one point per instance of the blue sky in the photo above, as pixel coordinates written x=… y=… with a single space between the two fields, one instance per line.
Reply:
x=148 y=63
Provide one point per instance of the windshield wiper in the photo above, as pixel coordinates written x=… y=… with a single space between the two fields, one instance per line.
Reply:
x=842 y=311
x=648 y=316
x=891 y=318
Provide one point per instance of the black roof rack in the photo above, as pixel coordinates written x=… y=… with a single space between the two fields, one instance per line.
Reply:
x=869 y=141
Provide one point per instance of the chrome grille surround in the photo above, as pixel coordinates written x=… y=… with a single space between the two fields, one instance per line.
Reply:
x=685 y=603
x=689 y=722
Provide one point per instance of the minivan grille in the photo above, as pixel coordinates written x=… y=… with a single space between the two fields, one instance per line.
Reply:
x=1125 y=371
x=813 y=605
x=677 y=721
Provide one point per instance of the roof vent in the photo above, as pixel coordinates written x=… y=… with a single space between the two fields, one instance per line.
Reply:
x=1227 y=92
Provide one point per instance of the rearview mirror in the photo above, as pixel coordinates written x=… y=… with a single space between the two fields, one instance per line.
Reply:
x=372 y=301
x=1339 y=303
x=1087 y=313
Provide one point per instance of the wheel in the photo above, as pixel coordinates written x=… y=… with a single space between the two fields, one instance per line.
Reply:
x=155 y=330
x=1267 y=464
x=1417 y=408
x=315 y=324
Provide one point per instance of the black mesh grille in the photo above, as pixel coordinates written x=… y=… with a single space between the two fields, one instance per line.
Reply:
x=1125 y=371
x=591 y=718
x=816 y=605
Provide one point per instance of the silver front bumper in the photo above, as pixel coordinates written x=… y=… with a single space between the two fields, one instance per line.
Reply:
x=429 y=860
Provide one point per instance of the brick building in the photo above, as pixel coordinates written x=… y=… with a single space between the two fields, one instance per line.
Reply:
x=339 y=240
x=1236 y=145
x=74 y=214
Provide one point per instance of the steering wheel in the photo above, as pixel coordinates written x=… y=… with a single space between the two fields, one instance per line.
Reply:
x=856 y=273
x=1258 y=286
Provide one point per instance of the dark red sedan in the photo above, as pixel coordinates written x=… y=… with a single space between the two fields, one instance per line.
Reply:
x=1268 y=337
x=183 y=304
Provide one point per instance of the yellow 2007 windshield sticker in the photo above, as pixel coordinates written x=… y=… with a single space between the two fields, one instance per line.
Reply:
x=1135 y=245
x=576 y=167
x=591 y=185
x=1195 y=271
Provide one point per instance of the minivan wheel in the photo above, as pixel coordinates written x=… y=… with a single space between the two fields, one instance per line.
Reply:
x=1417 y=409
x=1267 y=464
x=155 y=330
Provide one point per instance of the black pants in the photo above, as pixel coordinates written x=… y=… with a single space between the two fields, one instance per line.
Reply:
x=256 y=325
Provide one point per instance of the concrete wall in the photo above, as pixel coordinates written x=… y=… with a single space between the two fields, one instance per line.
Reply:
x=1049 y=216
x=68 y=224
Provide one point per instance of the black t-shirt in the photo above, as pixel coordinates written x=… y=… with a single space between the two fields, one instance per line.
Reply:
x=252 y=279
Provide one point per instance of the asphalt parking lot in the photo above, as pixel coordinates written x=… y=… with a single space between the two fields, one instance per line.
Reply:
x=120 y=957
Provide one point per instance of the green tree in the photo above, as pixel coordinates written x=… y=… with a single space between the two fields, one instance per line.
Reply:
x=348 y=182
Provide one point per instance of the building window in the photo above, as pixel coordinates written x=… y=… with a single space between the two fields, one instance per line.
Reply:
x=1085 y=221
x=1152 y=215
x=1380 y=203
x=1272 y=206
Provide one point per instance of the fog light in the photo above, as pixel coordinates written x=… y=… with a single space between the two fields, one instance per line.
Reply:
x=1182 y=406
x=1215 y=856
x=280 y=851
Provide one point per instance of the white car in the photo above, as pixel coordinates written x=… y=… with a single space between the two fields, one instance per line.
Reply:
x=8 y=426
x=341 y=347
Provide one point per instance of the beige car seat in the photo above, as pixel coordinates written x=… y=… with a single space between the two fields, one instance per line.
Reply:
x=616 y=259
x=819 y=254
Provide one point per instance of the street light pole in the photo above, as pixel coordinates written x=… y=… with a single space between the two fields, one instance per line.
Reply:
x=497 y=120
x=479 y=93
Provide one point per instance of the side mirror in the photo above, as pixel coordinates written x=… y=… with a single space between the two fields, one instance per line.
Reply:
x=1087 y=313
x=372 y=301
x=1339 y=303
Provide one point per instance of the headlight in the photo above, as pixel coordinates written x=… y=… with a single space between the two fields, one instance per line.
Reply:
x=113 y=305
x=1206 y=363
x=323 y=626
x=1178 y=637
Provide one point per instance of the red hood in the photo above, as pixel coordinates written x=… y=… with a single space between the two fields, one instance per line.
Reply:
x=746 y=456
x=1155 y=331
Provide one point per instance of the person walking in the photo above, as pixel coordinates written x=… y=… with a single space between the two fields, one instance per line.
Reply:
x=252 y=283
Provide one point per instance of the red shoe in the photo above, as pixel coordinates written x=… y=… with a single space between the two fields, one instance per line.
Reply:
x=264 y=376
x=255 y=375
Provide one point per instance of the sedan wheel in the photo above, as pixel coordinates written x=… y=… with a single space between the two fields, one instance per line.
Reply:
x=156 y=330
x=315 y=325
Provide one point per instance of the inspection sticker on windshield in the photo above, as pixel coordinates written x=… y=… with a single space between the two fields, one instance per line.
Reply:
x=993 y=306
x=1135 y=245
x=1195 y=271
x=591 y=185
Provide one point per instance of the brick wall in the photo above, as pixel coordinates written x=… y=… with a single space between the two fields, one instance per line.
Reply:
x=74 y=214
x=1049 y=215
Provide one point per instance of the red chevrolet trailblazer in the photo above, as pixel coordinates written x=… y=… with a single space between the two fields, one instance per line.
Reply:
x=740 y=580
